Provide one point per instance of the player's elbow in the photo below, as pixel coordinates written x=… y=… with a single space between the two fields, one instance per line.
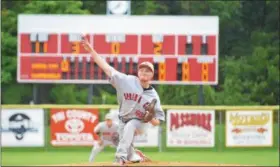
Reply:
x=106 y=68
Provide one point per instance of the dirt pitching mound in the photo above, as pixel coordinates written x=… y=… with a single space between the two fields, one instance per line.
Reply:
x=151 y=164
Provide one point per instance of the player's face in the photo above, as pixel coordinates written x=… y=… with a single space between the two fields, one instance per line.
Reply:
x=145 y=74
x=109 y=122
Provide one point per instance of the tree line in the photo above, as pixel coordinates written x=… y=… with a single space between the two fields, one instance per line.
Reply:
x=248 y=53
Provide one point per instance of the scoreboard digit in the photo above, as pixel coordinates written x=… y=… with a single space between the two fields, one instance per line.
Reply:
x=115 y=46
x=158 y=41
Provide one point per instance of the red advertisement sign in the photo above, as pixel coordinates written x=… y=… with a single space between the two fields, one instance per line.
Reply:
x=73 y=127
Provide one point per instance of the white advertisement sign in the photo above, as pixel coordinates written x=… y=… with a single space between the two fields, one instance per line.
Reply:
x=22 y=127
x=249 y=128
x=190 y=128
x=149 y=137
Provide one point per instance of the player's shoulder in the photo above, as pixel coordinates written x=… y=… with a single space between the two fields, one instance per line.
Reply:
x=117 y=72
x=131 y=76
x=133 y=79
x=154 y=92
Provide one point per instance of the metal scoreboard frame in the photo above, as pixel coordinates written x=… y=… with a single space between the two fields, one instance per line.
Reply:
x=184 y=49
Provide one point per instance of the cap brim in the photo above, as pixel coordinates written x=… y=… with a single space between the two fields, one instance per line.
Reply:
x=144 y=65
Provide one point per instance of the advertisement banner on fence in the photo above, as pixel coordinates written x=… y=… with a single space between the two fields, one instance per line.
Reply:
x=249 y=128
x=22 y=128
x=149 y=137
x=73 y=127
x=190 y=128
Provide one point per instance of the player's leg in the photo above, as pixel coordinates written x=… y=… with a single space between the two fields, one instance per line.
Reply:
x=137 y=156
x=126 y=139
x=95 y=150
x=143 y=157
x=120 y=132
x=133 y=156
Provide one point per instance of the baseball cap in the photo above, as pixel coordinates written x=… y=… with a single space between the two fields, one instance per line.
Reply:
x=108 y=116
x=146 y=64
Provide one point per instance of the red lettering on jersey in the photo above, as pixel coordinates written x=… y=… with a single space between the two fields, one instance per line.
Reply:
x=139 y=100
x=131 y=96
x=145 y=105
x=125 y=96
x=135 y=97
x=139 y=114
x=185 y=119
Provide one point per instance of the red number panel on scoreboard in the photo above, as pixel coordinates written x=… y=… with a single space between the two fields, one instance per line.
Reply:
x=184 y=50
x=116 y=44
x=158 y=44
x=38 y=43
x=71 y=43
x=191 y=59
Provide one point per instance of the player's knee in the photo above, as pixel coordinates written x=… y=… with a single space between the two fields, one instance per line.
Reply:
x=130 y=126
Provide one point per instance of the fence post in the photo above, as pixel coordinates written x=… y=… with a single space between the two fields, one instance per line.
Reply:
x=46 y=128
x=160 y=139
x=200 y=95
x=35 y=94
x=90 y=94
x=220 y=130
x=278 y=111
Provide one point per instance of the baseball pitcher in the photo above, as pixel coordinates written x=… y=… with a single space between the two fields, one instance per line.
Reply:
x=138 y=100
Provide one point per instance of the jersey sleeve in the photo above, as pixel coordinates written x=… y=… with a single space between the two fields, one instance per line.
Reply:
x=117 y=78
x=159 y=111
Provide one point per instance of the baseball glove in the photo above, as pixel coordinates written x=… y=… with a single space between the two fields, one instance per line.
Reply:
x=150 y=111
x=115 y=139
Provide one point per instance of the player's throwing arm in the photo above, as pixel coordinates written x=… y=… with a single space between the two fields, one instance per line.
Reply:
x=97 y=59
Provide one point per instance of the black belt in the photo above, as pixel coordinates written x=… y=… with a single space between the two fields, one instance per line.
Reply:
x=127 y=120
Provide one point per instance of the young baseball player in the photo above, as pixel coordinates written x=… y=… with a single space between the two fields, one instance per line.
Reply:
x=108 y=136
x=138 y=100
x=107 y=131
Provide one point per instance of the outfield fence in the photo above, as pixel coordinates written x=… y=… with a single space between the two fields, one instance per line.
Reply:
x=186 y=127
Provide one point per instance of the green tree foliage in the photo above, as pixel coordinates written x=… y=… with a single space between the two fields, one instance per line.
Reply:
x=248 y=52
x=11 y=90
x=68 y=94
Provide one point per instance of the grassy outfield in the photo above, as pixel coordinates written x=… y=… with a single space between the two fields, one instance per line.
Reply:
x=218 y=154
x=264 y=158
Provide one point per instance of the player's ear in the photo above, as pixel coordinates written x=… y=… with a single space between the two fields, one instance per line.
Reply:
x=152 y=76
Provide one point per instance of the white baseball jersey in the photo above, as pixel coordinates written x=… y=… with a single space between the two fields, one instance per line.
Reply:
x=132 y=98
x=105 y=131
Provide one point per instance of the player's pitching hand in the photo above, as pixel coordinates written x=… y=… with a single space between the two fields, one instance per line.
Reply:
x=86 y=44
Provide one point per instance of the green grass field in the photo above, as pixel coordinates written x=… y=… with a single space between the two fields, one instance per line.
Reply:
x=260 y=158
x=218 y=154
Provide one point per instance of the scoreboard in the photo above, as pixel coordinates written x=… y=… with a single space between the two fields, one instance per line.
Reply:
x=183 y=49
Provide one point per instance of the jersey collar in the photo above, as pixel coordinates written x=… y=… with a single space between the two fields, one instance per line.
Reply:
x=149 y=88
